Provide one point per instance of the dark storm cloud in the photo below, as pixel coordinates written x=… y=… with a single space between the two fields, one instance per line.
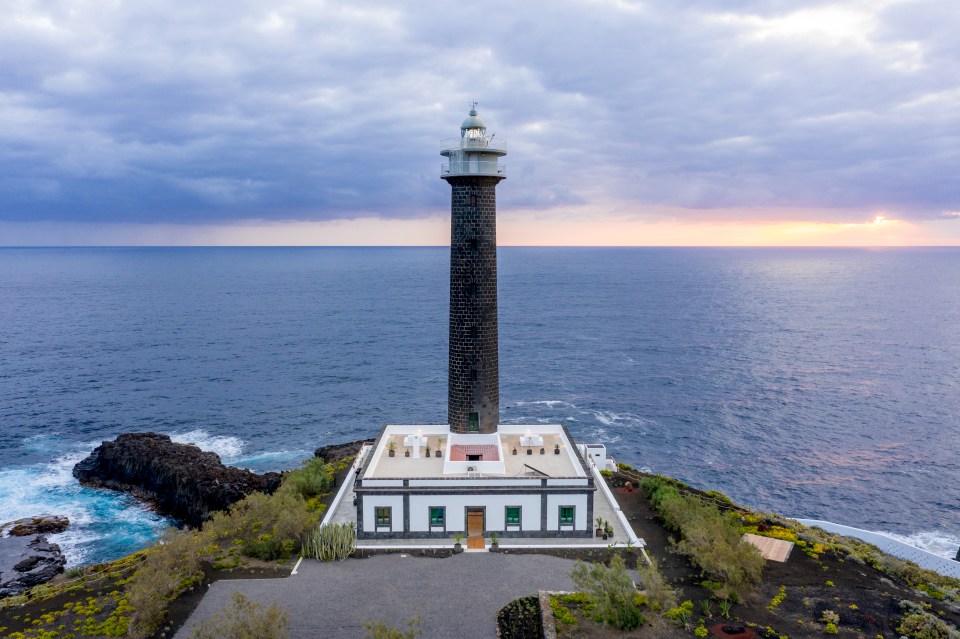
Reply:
x=198 y=112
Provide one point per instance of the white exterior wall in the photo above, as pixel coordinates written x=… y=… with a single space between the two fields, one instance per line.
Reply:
x=369 y=514
x=579 y=502
x=456 y=506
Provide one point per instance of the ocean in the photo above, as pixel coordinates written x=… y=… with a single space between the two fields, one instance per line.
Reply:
x=818 y=383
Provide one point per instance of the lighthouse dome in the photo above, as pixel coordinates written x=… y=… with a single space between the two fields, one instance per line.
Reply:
x=473 y=121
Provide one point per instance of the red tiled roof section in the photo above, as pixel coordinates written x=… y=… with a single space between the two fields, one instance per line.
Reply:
x=459 y=452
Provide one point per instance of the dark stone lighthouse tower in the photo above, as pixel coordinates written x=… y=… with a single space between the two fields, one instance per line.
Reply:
x=473 y=173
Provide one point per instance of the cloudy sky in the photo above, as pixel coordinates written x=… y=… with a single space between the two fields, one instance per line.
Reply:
x=627 y=122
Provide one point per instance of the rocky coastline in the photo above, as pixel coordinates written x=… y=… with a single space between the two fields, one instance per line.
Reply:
x=27 y=558
x=335 y=452
x=178 y=480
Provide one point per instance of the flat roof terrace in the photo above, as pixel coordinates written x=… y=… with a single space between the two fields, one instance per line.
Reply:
x=515 y=451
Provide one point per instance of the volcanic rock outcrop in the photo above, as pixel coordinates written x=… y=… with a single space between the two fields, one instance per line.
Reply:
x=335 y=452
x=26 y=561
x=179 y=480
x=39 y=525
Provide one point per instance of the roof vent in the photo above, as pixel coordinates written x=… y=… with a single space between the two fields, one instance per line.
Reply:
x=471 y=469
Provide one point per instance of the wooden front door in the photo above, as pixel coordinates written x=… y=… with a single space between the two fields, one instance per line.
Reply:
x=475 y=523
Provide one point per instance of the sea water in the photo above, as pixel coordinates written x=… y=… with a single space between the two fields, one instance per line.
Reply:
x=819 y=383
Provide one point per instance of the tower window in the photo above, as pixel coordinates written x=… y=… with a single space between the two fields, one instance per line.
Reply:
x=473 y=244
x=472 y=289
x=474 y=422
x=473 y=375
x=473 y=200
x=474 y=332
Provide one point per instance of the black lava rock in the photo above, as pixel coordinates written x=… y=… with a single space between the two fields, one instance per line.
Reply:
x=336 y=452
x=179 y=480
x=27 y=561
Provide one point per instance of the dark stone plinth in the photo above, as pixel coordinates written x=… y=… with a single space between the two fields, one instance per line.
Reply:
x=474 y=378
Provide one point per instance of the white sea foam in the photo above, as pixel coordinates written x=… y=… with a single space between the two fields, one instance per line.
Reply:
x=77 y=544
x=103 y=524
x=610 y=418
x=551 y=403
x=229 y=448
x=933 y=541
x=271 y=460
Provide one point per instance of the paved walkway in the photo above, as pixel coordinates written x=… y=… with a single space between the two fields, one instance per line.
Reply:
x=457 y=596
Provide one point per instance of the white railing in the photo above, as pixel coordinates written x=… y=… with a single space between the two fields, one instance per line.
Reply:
x=467 y=167
x=601 y=482
x=346 y=485
x=457 y=144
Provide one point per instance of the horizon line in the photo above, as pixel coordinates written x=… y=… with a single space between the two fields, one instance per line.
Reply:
x=596 y=246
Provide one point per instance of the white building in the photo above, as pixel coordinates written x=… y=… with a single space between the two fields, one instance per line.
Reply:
x=522 y=481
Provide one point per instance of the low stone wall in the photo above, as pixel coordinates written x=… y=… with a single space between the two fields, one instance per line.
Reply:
x=546 y=615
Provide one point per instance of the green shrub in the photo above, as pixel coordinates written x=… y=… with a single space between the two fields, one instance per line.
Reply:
x=244 y=619
x=725 y=605
x=333 y=542
x=267 y=527
x=778 y=598
x=169 y=567
x=830 y=629
x=701 y=631
x=706 y=607
x=932 y=591
x=380 y=630
x=310 y=480
x=611 y=592
x=710 y=538
x=922 y=625
x=561 y=613
x=659 y=593
x=681 y=614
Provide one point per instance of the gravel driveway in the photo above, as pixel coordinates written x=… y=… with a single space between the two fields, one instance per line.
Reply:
x=456 y=597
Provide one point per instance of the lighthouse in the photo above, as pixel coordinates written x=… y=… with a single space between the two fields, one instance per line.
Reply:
x=473 y=171
x=474 y=476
